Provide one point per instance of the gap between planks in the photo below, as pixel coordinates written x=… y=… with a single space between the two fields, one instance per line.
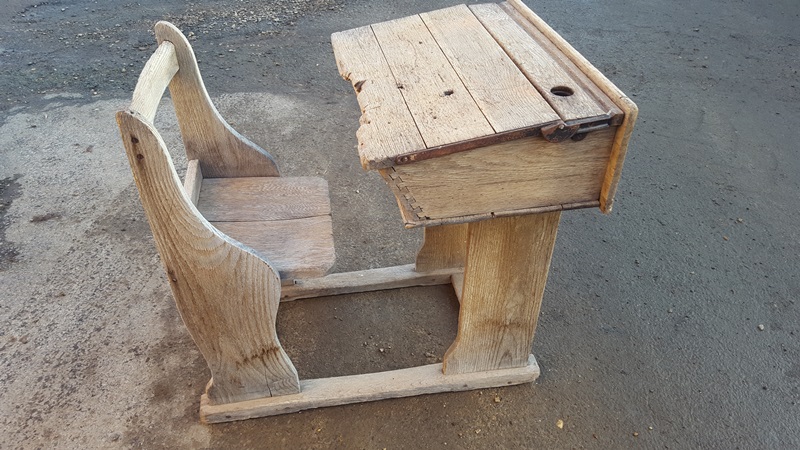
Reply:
x=334 y=391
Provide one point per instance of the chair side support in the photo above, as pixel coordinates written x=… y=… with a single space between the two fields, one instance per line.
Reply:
x=227 y=296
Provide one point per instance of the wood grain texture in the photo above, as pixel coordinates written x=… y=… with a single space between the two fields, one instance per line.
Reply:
x=441 y=105
x=565 y=62
x=227 y=296
x=296 y=248
x=193 y=181
x=252 y=199
x=507 y=264
x=517 y=175
x=628 y=107
x=153 y=81
x=221 y=150
x=443 y=247
x=503 y=93
x=539 y=65
x=319 y=393
x=457 y=281
x=386 y=126
x=394 y=277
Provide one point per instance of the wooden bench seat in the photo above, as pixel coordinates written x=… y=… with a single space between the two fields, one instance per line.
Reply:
x=287 y=220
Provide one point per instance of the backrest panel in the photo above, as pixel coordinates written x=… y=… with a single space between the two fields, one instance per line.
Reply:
x=222 y=152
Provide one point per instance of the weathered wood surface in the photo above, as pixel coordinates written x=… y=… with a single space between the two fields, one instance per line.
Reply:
x=263 y=198
x=443 y=247
x=606 y=104
x=387 y=126
x=153 y=81
x=193 y=181
x=227 y=296
x=221 y=150
x=319 y=393
x=540 y=66
x=503 y=178
x=443 y=109
x=284 y=219
x=507 y=264
x=504 y=95
x=296 y=248
x=628 y=107
x=394 y=277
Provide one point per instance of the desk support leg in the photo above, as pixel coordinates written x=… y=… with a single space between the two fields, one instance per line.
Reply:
x=506 y=270
x=444 y=247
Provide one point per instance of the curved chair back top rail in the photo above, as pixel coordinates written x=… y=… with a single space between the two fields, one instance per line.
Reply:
x=226 y=294
x=221 y=150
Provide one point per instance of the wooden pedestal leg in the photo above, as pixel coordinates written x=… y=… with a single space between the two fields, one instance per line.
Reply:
x=506 y=270
x=444 y=247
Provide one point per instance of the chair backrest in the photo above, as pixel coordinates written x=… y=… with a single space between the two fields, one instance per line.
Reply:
x=221 y=151
x=226 y=294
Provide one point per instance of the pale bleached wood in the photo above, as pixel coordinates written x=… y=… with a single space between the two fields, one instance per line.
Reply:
x=319 y=393
x=507 y=264
x=386 y=126
x=263 y=198
x=537 y=63
x=193 y=181
x=296 y=248
x=503 y=178
x=457 y=281
x=442 y=108
x=629 y=108
x=227 y=296
x=394 y=277
x=221 y=150
x=153 y=81
x=443 y=247
x=503 y=93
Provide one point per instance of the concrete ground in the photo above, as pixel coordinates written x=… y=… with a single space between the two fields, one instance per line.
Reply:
x=672 y=323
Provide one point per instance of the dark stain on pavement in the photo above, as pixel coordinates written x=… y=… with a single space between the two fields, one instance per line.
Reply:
x=10 y=190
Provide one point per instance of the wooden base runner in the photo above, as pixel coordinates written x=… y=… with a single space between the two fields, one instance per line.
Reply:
x=322 y=392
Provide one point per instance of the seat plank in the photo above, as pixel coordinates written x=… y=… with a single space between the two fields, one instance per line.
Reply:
x=443 y=109
x=505 y=96
x=296 y=248
x=263 y=198
x=540 y=65
x=361 y=61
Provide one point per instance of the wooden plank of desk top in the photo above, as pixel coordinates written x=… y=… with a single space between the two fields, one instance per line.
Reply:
x=387 y=127
x=505 y=96
x=574 y=68
x=443 y=109
x=544 y=70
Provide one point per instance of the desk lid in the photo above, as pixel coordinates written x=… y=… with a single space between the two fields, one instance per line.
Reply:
x=464 y=77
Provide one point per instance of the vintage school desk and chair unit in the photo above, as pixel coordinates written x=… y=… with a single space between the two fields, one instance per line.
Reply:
x=484 y=123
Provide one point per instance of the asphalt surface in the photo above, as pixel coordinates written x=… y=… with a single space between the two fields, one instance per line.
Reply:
x=671 y=323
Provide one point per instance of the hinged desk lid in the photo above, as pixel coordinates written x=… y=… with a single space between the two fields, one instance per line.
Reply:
x=460 y=78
